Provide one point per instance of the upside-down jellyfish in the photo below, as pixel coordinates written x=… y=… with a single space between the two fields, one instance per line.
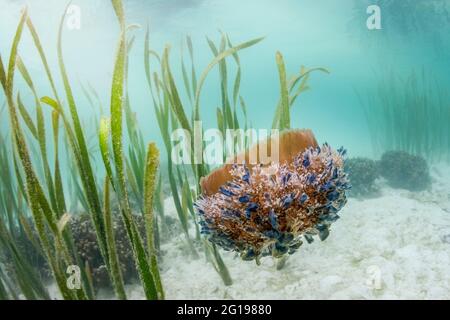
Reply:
x=268 y=209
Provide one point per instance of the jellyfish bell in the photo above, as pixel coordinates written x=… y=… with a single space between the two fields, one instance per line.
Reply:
x=286 y=146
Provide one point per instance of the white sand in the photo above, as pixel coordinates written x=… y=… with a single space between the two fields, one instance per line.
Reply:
x=396 y=246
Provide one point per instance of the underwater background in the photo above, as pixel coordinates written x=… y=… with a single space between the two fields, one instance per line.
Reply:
x=327 y=34
x=384 y=97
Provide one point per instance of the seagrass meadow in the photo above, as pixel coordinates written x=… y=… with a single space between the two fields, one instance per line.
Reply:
x=100 y=100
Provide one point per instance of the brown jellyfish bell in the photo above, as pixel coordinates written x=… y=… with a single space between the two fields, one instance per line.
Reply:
x=289 y=143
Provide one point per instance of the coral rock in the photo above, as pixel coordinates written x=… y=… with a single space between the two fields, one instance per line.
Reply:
x=405 y=171
x=362 y=173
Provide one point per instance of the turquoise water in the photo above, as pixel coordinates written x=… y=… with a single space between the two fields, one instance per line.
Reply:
x=387 y=89
x=330 y=34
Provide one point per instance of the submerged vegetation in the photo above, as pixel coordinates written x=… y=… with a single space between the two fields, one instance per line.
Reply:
x=408 y=110
x=405 y=22
x=38 y=203
x=42 y=196
x=409 y=114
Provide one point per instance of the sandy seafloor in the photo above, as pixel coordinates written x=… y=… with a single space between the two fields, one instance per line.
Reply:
x=393 y=246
